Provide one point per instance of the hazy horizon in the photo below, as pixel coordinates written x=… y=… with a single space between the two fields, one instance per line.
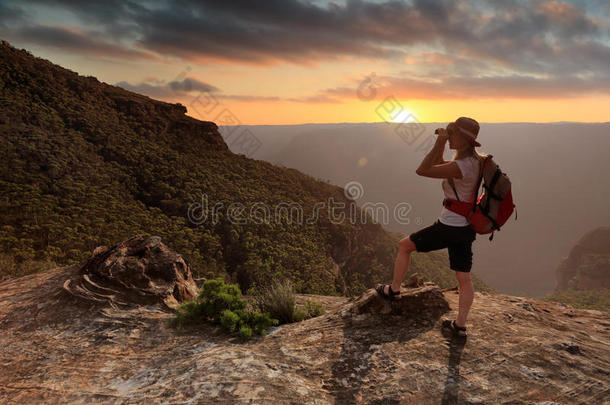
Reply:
x=419 y=122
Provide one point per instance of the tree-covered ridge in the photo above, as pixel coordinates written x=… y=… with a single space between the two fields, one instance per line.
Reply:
x=87 y=164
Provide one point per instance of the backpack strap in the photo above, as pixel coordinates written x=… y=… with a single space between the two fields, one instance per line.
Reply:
x=476 y=190
x=450 y=180
x=492 y=184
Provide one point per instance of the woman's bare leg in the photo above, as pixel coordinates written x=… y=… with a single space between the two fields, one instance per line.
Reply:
x=402 y=262
x=466 y=290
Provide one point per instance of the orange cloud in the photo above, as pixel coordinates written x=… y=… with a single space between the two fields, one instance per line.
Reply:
x=559 y=10
x=437 y=58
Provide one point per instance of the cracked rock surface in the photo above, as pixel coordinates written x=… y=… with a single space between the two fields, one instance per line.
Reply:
x=59 y=348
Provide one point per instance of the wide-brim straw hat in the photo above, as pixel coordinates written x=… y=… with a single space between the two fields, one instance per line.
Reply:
x=467 y=127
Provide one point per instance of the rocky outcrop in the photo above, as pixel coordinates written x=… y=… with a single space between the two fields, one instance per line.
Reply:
x=136 y=271
x=417 y=299
x=588 y=265
x=61 y=349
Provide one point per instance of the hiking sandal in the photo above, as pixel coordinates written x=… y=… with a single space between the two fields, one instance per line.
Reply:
x=380 y=290
x=457 y=330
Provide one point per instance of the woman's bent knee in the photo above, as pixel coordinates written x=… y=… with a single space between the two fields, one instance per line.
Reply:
x=406 y=245
x=462 y=276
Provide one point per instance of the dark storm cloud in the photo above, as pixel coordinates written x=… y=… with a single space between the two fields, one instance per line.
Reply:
x=117 y=16
x=563 y=42
x=10 y=14
x=541 y=38
x=434 y=10
x=193 y=87
x=513 y=32
x=188 y=87
x=265 y=32
x=262 y=32
x=71 y=40
x=168 y=90
x=154 y=91
x=190 y=84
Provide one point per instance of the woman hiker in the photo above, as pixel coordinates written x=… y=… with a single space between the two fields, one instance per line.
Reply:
x=451 y=230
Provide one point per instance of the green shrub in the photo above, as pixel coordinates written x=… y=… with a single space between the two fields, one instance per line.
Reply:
x=262 y=322
x=245 y=332
x=215 y=296
x=314 y=309
x=279 y=300
x=188 y=313
x=299 y=314
x=221 y=303
x=229 y=320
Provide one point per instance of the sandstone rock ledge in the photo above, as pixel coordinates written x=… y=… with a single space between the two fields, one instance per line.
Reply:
x=416 y=300
x=57 y=348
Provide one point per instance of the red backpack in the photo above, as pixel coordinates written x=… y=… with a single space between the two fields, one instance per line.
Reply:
x=493 y=208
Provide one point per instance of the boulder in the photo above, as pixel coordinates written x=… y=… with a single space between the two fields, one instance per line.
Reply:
x=417 y=299
x=140 y=270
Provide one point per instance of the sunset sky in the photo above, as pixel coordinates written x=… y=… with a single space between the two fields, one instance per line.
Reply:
x=292 y=62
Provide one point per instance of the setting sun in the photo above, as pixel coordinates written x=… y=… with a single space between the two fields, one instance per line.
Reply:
x=404 y=116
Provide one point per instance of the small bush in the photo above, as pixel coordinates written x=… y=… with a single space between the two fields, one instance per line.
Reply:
x=222 y=304
x=279 y=300
x=245 y=332
x=262 y=322
x=299 y=314
x=314 y=309
x=311 y=309
x=229 y=320
x=189 y=312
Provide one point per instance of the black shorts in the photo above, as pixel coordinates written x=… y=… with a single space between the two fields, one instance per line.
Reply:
x=457 y=239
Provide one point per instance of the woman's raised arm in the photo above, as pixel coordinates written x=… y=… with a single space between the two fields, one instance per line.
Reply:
x=430 y=166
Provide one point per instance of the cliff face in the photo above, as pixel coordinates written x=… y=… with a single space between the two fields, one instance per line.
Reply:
x=59 y=348
x=588 y=265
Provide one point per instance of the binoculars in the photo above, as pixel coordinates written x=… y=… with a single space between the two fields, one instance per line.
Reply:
x=450 y=129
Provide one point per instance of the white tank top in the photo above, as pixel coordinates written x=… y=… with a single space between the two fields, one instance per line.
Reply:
x=470 y=168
